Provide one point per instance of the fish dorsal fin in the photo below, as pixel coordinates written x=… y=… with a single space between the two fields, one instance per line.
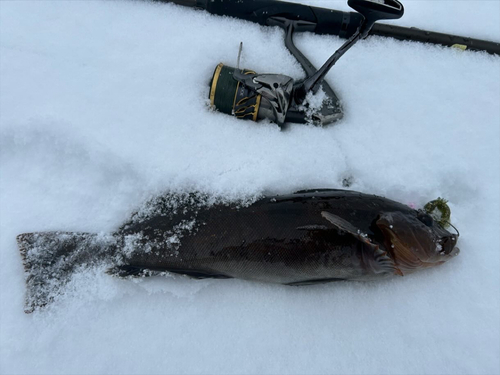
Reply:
x=375 y=259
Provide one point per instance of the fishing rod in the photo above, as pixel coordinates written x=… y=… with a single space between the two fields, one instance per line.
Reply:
x=330 y=22
x=279 y=98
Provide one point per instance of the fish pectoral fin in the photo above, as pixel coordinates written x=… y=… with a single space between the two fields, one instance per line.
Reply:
x=340 y=223
x=375 y=259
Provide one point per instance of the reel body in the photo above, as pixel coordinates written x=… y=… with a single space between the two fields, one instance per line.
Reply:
x=279 y=98
x=251 y=96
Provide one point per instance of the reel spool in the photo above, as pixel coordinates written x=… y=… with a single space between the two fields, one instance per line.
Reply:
x=251 y=96
x=230 y=96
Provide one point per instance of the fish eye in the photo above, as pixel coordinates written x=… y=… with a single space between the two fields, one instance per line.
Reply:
x=425 y=218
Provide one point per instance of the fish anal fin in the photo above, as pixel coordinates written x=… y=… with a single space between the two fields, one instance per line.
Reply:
x=132 y=271
x=142 y=271
x=129 y=271
x=314 y=281
x=199 y=274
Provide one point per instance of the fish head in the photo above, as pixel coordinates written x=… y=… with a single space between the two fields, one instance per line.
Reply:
x=416 y=240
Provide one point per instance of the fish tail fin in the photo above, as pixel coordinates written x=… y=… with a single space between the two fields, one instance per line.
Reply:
x=50 y=259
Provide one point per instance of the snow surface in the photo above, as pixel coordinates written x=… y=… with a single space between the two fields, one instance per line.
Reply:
x=103 y=105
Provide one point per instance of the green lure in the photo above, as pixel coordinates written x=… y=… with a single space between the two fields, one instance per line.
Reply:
x=439 y=210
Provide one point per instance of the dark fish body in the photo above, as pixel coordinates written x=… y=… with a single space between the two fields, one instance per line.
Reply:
x=303 y=238
x=282 y=239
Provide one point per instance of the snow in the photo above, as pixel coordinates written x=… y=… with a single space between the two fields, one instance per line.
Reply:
x=104 y=105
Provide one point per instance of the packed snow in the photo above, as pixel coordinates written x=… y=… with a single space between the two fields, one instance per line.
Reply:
x=103 y=106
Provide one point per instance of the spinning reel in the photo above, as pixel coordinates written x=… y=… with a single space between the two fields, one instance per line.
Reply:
x=279 y=98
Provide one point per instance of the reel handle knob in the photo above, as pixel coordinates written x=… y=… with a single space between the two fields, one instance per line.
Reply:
x=378 y=9
x=375 y=10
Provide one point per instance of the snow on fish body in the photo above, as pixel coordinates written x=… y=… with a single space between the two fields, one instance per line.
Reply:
x=307 y=237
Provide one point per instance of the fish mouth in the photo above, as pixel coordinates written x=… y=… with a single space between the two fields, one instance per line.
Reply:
x=448 y=245
x=454 y=252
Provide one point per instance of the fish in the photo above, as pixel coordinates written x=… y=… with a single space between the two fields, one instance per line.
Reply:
x=304 y=238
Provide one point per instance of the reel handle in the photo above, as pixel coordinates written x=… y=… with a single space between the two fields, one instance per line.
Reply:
x=372 y=11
